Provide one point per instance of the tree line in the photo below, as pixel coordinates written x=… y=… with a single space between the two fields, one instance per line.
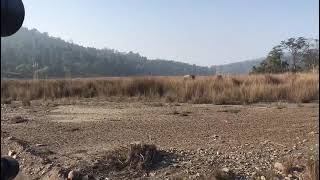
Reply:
x=30 y=53
x=294 y=55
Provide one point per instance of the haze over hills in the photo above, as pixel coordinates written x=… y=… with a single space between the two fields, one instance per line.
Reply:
x=30 y=52
x=242 y=67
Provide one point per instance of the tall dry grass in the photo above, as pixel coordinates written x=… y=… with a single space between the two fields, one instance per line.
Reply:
x=217 y=90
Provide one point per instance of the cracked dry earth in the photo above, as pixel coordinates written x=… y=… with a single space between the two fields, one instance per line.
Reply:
x=247 y=139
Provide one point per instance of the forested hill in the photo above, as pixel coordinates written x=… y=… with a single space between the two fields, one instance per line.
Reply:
x=30 y=52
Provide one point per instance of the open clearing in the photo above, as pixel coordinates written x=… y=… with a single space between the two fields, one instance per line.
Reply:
x=248 y=139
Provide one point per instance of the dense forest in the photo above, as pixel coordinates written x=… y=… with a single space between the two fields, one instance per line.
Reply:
x=32 y=54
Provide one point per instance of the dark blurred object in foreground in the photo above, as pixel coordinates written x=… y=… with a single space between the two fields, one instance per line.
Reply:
x=12 y=16
x=9 y=168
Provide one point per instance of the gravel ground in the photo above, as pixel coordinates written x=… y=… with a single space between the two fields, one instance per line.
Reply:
x=245 y=139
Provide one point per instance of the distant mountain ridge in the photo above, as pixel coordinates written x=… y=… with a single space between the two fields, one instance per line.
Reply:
x=30 y=54
x=242 y=67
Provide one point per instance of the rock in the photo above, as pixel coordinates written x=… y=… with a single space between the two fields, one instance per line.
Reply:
x=311 y=133
x=263 y=178
x=152 y=174
x=10 y=138
x=176 y=165
x=199 y=150
x=278 y=166
x=226 y=170
x=86 y=177
x=18 y=119
x=73 y=175
x=40 y=145
x=11 y=153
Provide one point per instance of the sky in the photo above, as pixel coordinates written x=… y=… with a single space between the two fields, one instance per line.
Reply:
x=202 y=32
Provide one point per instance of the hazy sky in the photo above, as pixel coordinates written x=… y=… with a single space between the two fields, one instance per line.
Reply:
x=204 y=32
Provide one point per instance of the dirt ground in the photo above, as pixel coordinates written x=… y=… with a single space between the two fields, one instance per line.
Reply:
x=247 y=139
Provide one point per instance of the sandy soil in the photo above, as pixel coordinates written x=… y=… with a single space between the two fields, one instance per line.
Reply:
x=248 y=139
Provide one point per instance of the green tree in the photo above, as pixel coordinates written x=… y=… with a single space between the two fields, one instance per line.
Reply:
x=311 y=55
x=296 y=47
x=273 y=63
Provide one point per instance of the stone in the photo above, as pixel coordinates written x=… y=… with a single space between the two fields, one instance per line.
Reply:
x=11 y=153
x=225 y=169
x=73 y=175
x=279 y=166
x=10 y=138
x=197 y=175
x=86 y=177
x=176 y=165
x=14 y=156
x=40 y=145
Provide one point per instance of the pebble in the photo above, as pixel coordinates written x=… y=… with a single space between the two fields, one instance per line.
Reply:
x=73 y=175
x=11 y=153
x=86 y=177
x=198 y=175
x=176 y=165
x=40 y=145
x=10 y=138
x=225 y=169
x=278 y=166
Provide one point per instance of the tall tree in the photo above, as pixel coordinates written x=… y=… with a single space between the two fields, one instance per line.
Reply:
x=311 y=55
x=296 y=47
x=273 y=63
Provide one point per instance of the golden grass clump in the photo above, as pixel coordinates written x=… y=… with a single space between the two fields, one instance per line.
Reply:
x=300 y=87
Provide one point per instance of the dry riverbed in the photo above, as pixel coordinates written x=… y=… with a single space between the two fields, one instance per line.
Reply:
x=52 y=137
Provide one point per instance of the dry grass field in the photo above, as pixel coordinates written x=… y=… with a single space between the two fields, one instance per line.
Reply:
x=229 y=127
x=216 y=89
